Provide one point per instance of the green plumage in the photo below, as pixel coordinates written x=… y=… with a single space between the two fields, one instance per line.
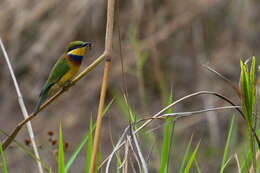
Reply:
x=60 y=68
x=59 y=72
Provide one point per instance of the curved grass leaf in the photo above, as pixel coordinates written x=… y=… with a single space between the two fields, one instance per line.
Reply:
x=186 y=155
x=61 y=168
x=187 y=169
x=166 y=140
x=89 y=148
x=224 y=163
x=4 y=169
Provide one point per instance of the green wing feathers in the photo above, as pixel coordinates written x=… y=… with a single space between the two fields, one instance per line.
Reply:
x=60 y=69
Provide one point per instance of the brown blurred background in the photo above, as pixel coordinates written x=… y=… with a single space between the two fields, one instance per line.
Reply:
x=172 y=37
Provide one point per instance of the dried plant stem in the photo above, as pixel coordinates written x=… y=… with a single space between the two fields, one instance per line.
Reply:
x=237 y=163
x=99 y=118
x=107 y=54
x=22 y=106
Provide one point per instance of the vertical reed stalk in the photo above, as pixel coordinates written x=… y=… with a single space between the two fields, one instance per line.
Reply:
x=107 y=53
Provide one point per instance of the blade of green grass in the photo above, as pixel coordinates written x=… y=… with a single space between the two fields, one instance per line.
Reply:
x=224 y=166
x=99 y=160
x=4 y=169
x=124 y=108
x=245 y=92
x=166 y=140
x=186 y=155
x=89 y=148
x=248 y=156
x=197 y=166
x=248 y=98
x=186 y=170
x=84 y=140
x=118 y=161
x=227 y=145
x=61 y=168
x=252 y=78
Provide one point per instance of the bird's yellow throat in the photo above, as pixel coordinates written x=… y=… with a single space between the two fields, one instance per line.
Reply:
x=78 y=51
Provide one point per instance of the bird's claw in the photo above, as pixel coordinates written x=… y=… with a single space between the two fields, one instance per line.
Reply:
x=67 y=85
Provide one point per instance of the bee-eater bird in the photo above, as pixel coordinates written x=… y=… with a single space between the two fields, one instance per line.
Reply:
x=64 y=70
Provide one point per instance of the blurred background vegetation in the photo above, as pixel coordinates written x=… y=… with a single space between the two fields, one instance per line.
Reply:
x=163 y=43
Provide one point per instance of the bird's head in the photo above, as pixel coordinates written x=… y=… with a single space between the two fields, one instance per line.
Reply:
x=77 y=48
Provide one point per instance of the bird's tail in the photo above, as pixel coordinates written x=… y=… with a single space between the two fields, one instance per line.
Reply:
x=38 y=105
x=43 y=96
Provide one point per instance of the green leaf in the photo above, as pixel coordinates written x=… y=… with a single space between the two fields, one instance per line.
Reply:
x=224 y=166
x=197 y=166
x=186 y=155
x=186 y=170
x=124 y=108
x=249 y=155
x=89 y=148
x=252 y=78
x=61 y=168
x=118 y=161
x=4 y=169
x=248 y=96
x=166 y=140
x=227 y=145
x=99 y=160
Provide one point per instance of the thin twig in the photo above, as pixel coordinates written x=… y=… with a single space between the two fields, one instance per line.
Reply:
x=22 y=106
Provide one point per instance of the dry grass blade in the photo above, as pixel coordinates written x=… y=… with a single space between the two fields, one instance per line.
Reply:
x=145 y=170
x=135 y=155
x=186 y=97
x=118 y=145
x=223 y=78
x=186 y=114
x=22 y=106
x=257 y=158
x=132 y=166
x=237 y=163
x=125 y=161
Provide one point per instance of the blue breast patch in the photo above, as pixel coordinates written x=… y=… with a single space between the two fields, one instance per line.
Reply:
x=75 y=58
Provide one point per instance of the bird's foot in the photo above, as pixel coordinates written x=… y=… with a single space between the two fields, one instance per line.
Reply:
x=67 y=85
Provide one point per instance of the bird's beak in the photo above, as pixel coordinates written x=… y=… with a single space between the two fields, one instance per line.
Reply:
x=86 y=44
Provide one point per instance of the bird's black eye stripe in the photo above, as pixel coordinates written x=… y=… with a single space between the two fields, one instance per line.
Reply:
x=74 y=47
